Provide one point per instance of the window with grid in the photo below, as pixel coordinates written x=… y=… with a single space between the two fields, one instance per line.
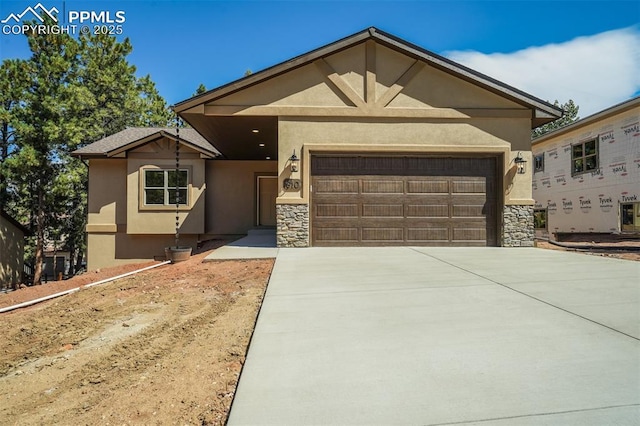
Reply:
x=584 y=157
x=160 y=187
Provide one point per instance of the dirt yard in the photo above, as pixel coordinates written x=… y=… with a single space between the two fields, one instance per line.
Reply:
x=161 y=347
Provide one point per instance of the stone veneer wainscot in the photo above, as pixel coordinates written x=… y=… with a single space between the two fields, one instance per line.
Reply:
x=517 y=226
x=293 y=225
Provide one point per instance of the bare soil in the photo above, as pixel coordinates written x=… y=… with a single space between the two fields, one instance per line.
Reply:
x=600 y=248
x=161 y=347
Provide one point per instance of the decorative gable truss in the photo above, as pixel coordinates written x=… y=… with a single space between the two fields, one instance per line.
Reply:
x=366 y=80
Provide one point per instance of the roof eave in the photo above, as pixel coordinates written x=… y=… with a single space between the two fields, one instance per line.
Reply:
x=600 y=115
x=26 y=231
x=88 y=155
x=272 y=71
x=120 y=152
x=395 y=43
x=468 y=74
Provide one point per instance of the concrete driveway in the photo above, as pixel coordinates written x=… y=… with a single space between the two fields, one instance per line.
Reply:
x=444 y=336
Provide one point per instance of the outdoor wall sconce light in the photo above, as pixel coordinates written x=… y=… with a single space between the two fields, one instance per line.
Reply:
x=521 y=164
x=295 y=161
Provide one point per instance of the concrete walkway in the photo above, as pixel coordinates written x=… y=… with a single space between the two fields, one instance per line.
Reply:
x=258 y=244
x=434 y=336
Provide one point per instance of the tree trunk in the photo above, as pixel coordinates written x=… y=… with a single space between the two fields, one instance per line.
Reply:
x=54 y=264
x=37 y=269
x=4 y=153
x=79 y=259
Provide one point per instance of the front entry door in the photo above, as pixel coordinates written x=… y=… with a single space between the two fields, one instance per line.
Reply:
x=267 y=193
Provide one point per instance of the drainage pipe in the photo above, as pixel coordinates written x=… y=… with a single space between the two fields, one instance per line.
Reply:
x=73 y=290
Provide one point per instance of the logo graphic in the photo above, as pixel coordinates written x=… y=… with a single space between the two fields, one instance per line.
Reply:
x=38 y=10
x=585 y=204
x=606 y=203
x=47 y=21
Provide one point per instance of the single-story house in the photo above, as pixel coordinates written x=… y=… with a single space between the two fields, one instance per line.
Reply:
x=586 y=175
x=367 y=141
x=12 y=235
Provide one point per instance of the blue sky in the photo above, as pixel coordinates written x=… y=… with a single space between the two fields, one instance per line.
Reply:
x=588 y=51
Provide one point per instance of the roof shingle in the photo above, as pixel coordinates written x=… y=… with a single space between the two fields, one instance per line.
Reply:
x=130 y=135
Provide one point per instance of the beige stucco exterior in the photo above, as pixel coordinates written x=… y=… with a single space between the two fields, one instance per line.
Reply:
x=405 y=137
x=231 y=195
x=121 y=229
x=369 y=93
x=11 y=252
x=370 y=98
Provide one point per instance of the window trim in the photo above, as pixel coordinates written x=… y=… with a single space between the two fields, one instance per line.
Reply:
x=584 y=157
x=142 y=197
x=537 y=169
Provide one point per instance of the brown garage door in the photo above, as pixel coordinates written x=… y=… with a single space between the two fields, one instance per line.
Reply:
x=374 y=201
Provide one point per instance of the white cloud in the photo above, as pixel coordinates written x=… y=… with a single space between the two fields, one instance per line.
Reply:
x=596 y=71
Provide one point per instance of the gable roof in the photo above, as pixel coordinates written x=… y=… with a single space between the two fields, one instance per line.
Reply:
x=15 y=223
x=133 y=137
x=593 y=118
x=542 y=112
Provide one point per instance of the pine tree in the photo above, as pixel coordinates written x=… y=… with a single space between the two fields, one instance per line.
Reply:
x=200 y=90
x=45 y=132
x=67 y=94
x=570 y=115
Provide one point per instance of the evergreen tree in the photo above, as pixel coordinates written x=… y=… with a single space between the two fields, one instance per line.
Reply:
x=45 y=132
x=570 y=115
x=150 y=108
x=12 y=87
x=69 y=93
x=200 y=90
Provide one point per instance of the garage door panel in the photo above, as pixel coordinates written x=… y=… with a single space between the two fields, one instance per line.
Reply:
x=338 y=186
x=467 y=210
x=382 y=186
x=404 y=201
x=462 y=233
x=469 y=186
x=430 y=234
x=383 y=234
x=382 y=210
x=427 y=210
x=336 y=210
x=381 y=165
x=427 y=187
x=336 y=234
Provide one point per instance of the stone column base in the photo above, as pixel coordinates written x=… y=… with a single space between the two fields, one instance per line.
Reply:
x=517 y=226
x=292 y=225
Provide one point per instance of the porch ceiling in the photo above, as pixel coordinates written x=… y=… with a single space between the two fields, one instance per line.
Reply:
x=236 y=138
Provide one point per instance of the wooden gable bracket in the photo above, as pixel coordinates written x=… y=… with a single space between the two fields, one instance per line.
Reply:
x=400 y=84
x=337 y=83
